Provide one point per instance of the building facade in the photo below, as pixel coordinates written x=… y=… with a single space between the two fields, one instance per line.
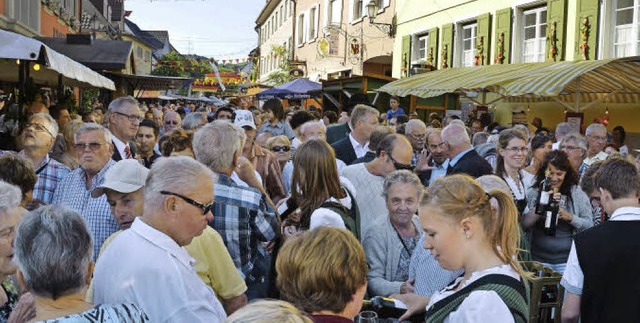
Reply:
x=275 y=36
x=47 y=18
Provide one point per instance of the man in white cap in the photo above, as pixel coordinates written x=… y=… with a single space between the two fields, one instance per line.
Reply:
x=264 y=161
x=124 y=187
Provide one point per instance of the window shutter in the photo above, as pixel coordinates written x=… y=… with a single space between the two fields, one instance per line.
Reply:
x=587 y=29
x=483 y=40
x=432 y=47
x=556 y=29
x=446 y=57
x=503 y=36
x=406 y=56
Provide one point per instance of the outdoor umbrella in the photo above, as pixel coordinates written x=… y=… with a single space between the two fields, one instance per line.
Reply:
x=296 y=89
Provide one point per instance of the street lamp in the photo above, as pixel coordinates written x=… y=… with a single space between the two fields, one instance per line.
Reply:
x=372 y=10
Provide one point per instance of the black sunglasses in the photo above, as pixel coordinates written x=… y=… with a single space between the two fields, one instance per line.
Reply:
x=204 y=208
x=279 y=148
x=399 y=166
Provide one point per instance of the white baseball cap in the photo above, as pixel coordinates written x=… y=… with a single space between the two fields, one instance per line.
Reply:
x=126 y=176
x=244 y=118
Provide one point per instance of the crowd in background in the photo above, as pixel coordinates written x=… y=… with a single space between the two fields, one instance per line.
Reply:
x=183 y=212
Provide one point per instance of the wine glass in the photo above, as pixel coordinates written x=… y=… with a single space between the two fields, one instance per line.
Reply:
x=367 y=317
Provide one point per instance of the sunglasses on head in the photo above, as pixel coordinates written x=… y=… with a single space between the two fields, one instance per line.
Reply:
x=280 y=148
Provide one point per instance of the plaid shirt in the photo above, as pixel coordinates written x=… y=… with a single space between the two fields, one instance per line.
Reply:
x=50 y=173
x=72 y=193
x=240 y=216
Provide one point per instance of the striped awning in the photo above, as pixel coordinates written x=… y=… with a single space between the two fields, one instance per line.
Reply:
x=580 y=82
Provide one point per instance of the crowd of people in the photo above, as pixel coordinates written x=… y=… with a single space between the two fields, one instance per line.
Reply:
x=179 y=213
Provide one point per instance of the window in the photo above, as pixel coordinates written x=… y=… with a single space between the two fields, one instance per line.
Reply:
x=290 y=8
x=357 y=9
x=313 y=32
x=281 y=16
x=286 y=5
x=625 y=32
x=27 y=12
x=334 y=12
x=468 y=51
x=420 y=49
x=301 y=29
x=534 y=33
x=139 y=52
x=268 y=29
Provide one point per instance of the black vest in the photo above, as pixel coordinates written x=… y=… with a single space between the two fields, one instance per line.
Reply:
x=609 y=255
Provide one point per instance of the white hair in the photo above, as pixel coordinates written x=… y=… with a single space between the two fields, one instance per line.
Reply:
x=216 y=143
x=455 y=135
x=10 y=197
x=116 y=104
x=308 y=124
x=595 y=127
x=52 y=122
x=414 y=124
x=88 y=127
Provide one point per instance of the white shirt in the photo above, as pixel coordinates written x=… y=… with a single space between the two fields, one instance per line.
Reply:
x=598 y=157
x=146 y=267
x=479 y=306
x=360 y=150
x=120 y=146
x=573 y=277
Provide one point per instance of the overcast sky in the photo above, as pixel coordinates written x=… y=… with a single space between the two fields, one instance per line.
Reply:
x=223 y=29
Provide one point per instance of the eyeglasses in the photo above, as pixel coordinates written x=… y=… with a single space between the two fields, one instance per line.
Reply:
x=399 y=166
x=569 y=148
x=598 y=138
x=171 y=122
x=132 y=117
x=279 y=148
x=418 y=137
x=204 y=208
x=38 y=127
x=5 y=97
x=436 y=146
x=515 y=150
x=93 y=146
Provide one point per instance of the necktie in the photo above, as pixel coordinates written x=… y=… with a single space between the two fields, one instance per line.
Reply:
x=127 y=152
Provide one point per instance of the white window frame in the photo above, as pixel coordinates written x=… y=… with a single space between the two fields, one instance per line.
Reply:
x=312 y=23
x=13 y=10
x=352 y=11
x=461 y=27
x=275 y=22
x=336 y=7
x=611 y=14
x=542 y=36
x=415 y=52
x=301 y=30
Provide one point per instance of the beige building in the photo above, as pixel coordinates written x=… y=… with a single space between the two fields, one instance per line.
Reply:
x=275 y=29
x=334 y=38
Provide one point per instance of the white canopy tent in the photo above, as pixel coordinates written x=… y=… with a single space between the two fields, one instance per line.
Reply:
x=55 y=67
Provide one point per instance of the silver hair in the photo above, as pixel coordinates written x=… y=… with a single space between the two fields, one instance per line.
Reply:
x=402 y=177
x=595 y=127
x=193 y=120
x=431 y=132
x=580 y=141
x=311 y=123
x=52 y=122
x=178 y=174
x=493 y=139
x=360 y=111
x=455 y=135
x=413 y=124
x=53 y=250
x=119 y=102
x=562 y=129
x=216 y=143
x=90 y=126
x=10 y=197
x=524 y=129
x=479 y=138
x=457 y=121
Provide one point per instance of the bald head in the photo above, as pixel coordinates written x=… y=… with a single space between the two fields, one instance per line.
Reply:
x=313 y=130
x=172 y=121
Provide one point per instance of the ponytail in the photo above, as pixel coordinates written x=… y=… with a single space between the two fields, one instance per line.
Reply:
x=506 y=233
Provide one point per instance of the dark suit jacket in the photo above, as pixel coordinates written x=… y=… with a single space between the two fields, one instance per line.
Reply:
x=337 y=132
x=116 y=154
x=344 y=150
x=471 y=164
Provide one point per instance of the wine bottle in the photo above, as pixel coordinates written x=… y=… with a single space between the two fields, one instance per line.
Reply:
x=388 y=308
x=551 y=216
x=543 y=194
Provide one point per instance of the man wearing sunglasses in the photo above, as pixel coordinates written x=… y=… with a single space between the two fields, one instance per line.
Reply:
x=394 y=153
x=146 y=265
x=124 y=120
x=124 y=187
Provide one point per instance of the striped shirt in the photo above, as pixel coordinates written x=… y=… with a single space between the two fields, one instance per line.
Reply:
x=72 y=193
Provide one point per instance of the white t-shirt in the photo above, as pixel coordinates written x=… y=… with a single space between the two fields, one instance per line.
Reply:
x=479 y=306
